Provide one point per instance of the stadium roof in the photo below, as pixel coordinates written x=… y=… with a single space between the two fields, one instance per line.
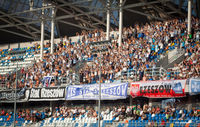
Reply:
x=20 y=19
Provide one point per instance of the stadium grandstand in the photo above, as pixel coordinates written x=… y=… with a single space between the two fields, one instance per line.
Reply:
x=100 y=63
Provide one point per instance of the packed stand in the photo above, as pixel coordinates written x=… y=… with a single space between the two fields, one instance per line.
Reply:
x=141 y=48
x=189 y=68
x=132 y=115
x=23 y=116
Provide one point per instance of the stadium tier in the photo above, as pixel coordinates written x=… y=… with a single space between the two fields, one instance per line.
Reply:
x=142 y=48
x=121 y=116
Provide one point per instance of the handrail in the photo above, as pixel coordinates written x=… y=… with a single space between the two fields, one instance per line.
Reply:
x=105 y=123
x=149 y=72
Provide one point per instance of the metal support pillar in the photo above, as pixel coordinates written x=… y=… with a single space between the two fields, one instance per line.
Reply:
x=52 y=29
x=150 y=102
x=131 y=100
x=189 y=103
x=189 y=16
x=15 y=99
x=51 y=107
x=99 y=107
x=42 y=36
x=120 y=23
x=108 y=21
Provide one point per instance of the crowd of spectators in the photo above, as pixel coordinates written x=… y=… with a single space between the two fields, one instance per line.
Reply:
x=74 y=112
x=176 y=110
x=189 y=68
x=32 y=115
x=141 y=49
x=118 y=113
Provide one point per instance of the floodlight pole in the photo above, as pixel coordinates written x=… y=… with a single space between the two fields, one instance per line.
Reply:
x=99 y=100
x=52 y=29
x=42 y=35
x=99 y=107
x=108 y=21
x=15 y=101
x=120 y=23
x=189 y=16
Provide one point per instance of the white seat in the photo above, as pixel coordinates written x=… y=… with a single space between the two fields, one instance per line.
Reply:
x=83 y=121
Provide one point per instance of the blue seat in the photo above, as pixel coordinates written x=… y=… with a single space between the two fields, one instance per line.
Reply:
x=192 y=125
x=8 y=124
x=85 y=124
x=76 y=125
x=2 y=123
x=42 y=124
x=19 y=124
x=119 y=125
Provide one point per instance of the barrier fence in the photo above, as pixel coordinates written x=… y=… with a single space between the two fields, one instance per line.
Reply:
x=105 y=124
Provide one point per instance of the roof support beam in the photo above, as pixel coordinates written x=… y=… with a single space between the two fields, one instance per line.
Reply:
x=75 y=25
x=194 y=7
x=57 y=28
x=48 y=19
x=86 y=22
x=142 y=4
x=19 y=27
x=141 y=13
x=79 y=2
x=12 y=25
x=21 y=17
x=198 y=8
x=174 y=9
x=33 y=10
x=114 y=19
x=180 y=4
x=27 y=26
x=22 y=35
x=66 y=4
x=81 y=11
x=157 y=9
x=128 y=6
x=111 y=12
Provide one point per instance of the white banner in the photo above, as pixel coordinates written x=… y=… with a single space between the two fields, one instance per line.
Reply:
x=91 y=92
x=194 y=86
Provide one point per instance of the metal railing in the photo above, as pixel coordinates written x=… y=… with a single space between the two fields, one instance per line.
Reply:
x=106 y=124
x=151 y=124
x=157 y=71
x=70 y=79
x=129 y=74
x=133 y=74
